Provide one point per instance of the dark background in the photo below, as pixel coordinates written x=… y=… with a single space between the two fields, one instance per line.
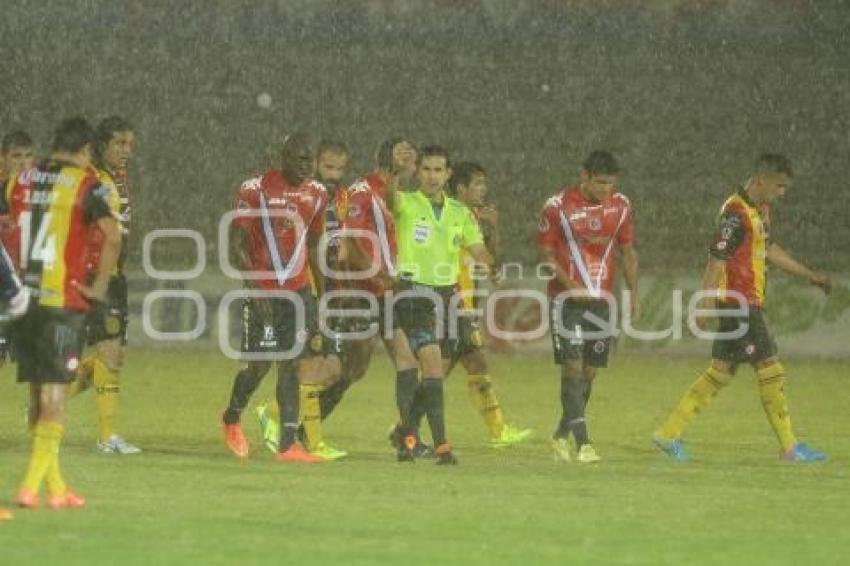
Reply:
x=686 y=93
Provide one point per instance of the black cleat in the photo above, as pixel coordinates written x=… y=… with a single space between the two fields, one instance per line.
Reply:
x=445 y=456
x=405 y=450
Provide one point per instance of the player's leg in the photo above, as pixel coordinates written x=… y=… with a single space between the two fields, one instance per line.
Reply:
x=431 y=362
x=53 y=345
x=771 y=383
x=568 y=353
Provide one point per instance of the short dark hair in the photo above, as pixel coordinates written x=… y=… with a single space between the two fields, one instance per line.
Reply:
x=601 y=162
x=15 y=138
x=72 y=135
x=331 y=146
x=433 y=151
x=106 y=130
x=462 y=174
x=773 y=163
x=384 y=155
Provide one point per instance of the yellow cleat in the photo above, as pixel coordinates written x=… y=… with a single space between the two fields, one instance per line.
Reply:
x=327 y=452
x=511 y=436
x=587 y=455
x=561 y=450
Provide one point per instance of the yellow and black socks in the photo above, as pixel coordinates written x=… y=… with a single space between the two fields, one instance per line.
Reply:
x=696 y=399
x=44 y=459
x=106 y=398
x=311 y=413
x=480 y=389
x=772 y=393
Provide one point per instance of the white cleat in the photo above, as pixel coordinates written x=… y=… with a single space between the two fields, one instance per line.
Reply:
x=117 y=445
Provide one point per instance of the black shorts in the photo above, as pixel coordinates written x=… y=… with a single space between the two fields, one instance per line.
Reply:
x=574 y=344
x=48 y=343
x=109 y=321
x=417 y=316
x=754 y=346
x=280 y=332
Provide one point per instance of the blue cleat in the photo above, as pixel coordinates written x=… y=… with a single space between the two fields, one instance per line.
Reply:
x=802 y=452
x=673 y=448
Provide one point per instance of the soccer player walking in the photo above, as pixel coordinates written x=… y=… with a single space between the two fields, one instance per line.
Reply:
x=736 y=267
x=106 y=324
x=580 y=228
x=468 y=184
x=432 y=229
x=64 y=200
x=275 y=233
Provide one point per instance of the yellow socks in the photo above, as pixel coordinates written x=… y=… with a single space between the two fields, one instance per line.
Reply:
x=697 y=398
x=106 y=398
x=311 y=413
x=481 y=393
x=84 y=378
x=44 y=459
x=772 y=392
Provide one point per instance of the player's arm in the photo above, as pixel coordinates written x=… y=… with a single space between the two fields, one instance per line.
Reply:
x=630 y=274
x=111 y=229
x=783 y=260
x=729 y=236
x=489 y=218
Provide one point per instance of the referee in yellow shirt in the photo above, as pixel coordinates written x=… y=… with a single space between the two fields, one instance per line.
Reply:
x=432 y=230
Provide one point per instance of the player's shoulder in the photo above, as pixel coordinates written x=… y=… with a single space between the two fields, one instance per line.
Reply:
x=252 y=184
x=556 y=201
x=621 y=200
x=359 y=187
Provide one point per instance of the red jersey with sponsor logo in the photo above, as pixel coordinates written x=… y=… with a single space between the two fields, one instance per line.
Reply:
x=743 y=235
x=279 y=219
x=14 y=202
x=582 y=234
x=368 y=211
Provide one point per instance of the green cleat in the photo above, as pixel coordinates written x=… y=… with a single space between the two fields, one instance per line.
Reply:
x=270 y=428
x=561 y=450
x=511 y=436
x=324 y=450
x=587 y=455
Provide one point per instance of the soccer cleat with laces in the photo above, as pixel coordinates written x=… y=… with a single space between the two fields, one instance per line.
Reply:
x=511 y=436
x=270 y=428
x=405 y=449
x=561 y=450
x=27 y=499
x=235 y=439
x=117 y=445
x=297 y=453
x=802 y=452
x=587 y=455
x=673 y=448
x=68 y=500
x=327 y=452
x=445 y=456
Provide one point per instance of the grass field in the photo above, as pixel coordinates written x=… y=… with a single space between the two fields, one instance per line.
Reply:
x=186 y=500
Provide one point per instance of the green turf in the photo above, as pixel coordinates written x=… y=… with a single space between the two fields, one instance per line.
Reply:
x=187 y=501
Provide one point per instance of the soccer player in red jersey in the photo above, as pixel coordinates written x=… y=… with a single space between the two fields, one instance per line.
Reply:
x=106 y=325
x=737 y=267
x=274 y=236
x=580 y=228
x=317 y=398
x=64 y=199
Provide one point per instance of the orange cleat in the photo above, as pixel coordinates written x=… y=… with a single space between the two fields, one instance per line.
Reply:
x=297 y=453
x=235 y=440
x=68 y=500
x=5 y=514
x=27 y=499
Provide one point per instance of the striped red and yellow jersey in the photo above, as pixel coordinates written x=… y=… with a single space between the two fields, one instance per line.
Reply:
x=54 y=206
x=743 y=234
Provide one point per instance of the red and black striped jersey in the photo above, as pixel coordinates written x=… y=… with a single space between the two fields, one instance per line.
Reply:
x=743 y=234
x=53 y=207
